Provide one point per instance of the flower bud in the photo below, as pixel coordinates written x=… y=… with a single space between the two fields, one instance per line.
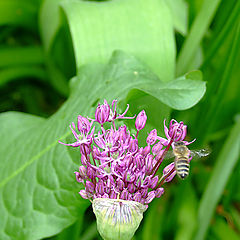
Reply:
x=123 y=133
x=168 y=169
x=137 y=197
x=100 y=187
x=157 y=148
x=159 y=192
x=102 y=112
x=141 y=120
x=83 y=172
x=113 y=195
x=146 y=150
x=78 y=177
x=131 y=188
x=90 y=186
x=90 y=173
x=84 y=194
x=154 y=182
x=150 y=197
x=124 y=194
x=152 y=137
x=84 y=125
x=144 y=192
x=83 y=160
x=117 y=219
x=120 y=184
x=133 y=145
x=146 y=182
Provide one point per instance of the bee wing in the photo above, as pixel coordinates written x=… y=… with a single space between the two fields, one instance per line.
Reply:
x=199 y=153
x=169 y=154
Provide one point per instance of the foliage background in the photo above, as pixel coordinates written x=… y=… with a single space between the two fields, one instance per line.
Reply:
x=44 y=43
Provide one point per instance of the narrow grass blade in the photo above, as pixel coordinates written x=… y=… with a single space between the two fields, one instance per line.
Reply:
x=224 y=166
x=11 y=74
x=10 y=56
x=197 y=32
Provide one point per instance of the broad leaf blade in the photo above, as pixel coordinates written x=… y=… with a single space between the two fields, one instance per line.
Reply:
x=39 y=194
x=143 y=28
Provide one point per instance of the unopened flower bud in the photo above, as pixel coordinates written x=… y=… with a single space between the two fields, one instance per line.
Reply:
x=113 y=195
x=133 y=145
x=137 y=197
x=144 y=192
x=84 y=125
x=83 y=172
x=154 y=182
x=152 y=137
x=141 y=120
x=90 y=187
x=159 y=192
x=102 y=113
x=100 y=187
x=131 y=188
x=83 y=160
x=124 y=194
x=146 y=182
x=169 y=168
x=78 y=177
x=157 y=148
x=90 y=173
x=150 y=197
x=146 y=150
x=84 y=194
x=149 y=163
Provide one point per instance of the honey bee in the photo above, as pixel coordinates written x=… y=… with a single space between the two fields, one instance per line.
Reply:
x=182 y=155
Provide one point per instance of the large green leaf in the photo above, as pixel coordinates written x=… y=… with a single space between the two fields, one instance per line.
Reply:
x=179 y=11
x=50 y=21
x=38 y=189
x=143 y=28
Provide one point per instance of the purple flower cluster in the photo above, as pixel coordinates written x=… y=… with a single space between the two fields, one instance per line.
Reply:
x=114 y=165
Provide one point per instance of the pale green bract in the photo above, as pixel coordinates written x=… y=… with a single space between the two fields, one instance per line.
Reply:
x=117 y=219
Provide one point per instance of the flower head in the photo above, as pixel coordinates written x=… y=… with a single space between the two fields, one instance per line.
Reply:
x=115 y=167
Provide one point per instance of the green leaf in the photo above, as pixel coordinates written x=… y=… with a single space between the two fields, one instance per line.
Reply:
x=10 y=56
x=23 y=13
x=37 y=183
x=153 y=220
x=50 y=21
x=181 y=93
x=179 y=11
x=143 y=28
x=187 y=213
x=223 y=231
x=9 y=74
x=197 y=32
x=224 y=165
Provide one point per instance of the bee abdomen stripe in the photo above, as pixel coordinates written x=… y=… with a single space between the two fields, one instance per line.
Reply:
x=182 y=160
x=178 y=164
x=183 y=166
x=183 y=170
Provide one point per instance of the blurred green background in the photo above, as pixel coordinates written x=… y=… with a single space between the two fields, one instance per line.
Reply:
x=44 y=43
